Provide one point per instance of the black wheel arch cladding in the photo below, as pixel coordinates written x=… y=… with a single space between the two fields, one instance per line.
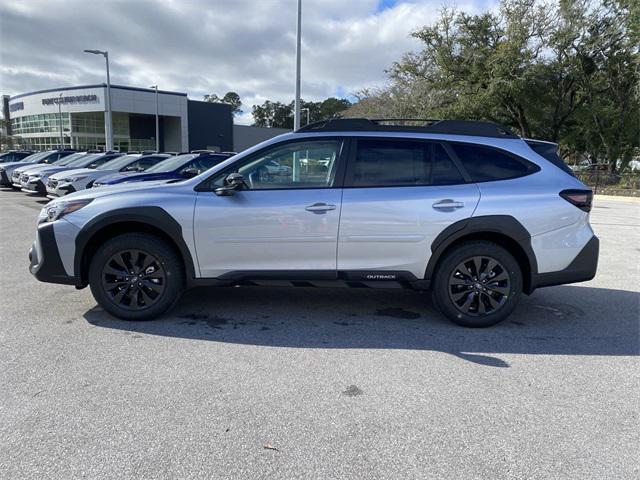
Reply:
x=155 y=218
x=486 y=226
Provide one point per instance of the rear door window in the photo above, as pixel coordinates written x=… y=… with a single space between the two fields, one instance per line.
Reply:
x=390 y=163
x=484 y=164
x=444 y=171
x=401 y=162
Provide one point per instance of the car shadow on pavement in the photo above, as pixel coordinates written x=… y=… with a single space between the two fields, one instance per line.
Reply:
x=565 y=320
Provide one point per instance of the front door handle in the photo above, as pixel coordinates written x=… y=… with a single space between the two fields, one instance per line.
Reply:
x=447 y=203
x=319 y=208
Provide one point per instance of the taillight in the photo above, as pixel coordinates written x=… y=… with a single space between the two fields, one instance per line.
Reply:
x=580 y=198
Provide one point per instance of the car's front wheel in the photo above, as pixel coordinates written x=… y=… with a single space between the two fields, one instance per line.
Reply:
x=477 y=284
x=136 y=276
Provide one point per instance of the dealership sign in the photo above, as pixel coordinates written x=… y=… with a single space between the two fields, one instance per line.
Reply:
x=14 y=107
x=73 y=99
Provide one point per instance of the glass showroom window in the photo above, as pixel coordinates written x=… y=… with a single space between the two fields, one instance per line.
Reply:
x=88 y=122
x=44 y=143
x=43 y=123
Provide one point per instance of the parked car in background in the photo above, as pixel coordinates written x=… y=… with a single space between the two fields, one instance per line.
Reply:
x=14 y=155
x=36 y=182
x=173 y=168
x=48 y=157
x=468 y=210
x=588 y=165
x=20 y=171
x=31 y=175
x=70 y=181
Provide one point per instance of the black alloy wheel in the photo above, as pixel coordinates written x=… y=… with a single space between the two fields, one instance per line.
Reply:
x=136 y=276
x=479 y=286
x=133 y=279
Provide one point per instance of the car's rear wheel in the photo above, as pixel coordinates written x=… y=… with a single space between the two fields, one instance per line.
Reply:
x=136 y=276
x=477 y=284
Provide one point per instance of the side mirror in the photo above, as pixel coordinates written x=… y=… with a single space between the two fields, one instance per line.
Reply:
x=232 y=182
x=190 y=172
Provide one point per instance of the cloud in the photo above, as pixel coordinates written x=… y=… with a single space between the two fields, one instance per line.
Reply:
x=205 y=46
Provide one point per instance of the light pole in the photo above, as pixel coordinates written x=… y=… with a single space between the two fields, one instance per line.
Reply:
x=108 y=126
x=157 y=121
x=60 y=121
x=296 y=113
x=308 y=114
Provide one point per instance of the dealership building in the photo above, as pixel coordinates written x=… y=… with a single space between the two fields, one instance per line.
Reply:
x=184 y=124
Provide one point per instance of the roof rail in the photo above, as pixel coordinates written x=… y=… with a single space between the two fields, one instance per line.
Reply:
x=448 y=127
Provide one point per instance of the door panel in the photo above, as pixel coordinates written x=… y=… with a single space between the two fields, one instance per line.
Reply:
x=285 y=217
x=393 y=228
x=399 y=195
x=267 y=230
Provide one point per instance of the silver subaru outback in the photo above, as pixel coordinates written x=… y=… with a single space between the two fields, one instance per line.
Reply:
x=466 y=210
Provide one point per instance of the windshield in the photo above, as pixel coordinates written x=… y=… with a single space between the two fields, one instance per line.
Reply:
x=118 y=163
x=83 y=161
x=35 y=157
x=172 y=163
x=68 y=159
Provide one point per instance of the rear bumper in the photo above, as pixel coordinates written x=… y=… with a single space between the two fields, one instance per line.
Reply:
x=581 y=269
x=44 y=258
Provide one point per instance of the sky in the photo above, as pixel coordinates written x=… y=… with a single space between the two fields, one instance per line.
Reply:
x=211 y=46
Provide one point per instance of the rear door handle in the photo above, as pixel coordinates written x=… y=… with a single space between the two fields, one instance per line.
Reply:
x=320 y=208
x=447 y=203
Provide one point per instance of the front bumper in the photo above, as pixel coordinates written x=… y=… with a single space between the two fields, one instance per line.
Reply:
x=44 y=258
x=55 y=189
x=581 y=269
x=15 y=180
x=34 y=186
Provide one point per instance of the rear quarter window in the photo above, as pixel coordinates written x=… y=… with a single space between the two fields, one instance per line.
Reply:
x=485 y=164
x=549 y=151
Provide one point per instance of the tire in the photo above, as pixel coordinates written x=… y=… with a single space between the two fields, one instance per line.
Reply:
x=483 y=302
x=154 y=287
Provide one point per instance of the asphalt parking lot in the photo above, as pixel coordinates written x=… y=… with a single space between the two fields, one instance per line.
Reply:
x=338 y=383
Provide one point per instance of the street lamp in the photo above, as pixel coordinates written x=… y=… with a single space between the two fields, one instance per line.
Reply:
x=60 y=121
x=108 y=126
x=157 y=121
x=296 y=114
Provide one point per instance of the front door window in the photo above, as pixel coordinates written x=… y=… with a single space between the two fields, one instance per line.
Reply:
x=306 y=164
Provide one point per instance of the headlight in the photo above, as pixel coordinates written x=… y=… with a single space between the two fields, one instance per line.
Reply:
x=73 y=179
x=51 y=213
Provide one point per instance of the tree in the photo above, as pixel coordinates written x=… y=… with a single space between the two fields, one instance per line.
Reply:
x=8 y=141
x=566 y=72
x=279 y=115
x=230 y=98
x=273 y=114
x=609 y=62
